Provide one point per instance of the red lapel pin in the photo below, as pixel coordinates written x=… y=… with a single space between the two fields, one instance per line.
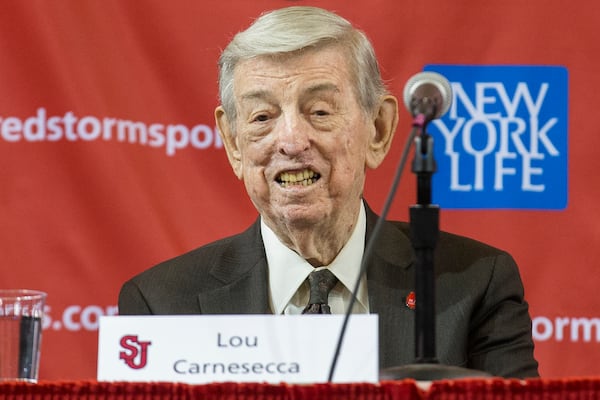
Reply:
x=411 y=300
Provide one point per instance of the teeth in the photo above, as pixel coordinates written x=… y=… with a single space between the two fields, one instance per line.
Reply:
x=303 y=178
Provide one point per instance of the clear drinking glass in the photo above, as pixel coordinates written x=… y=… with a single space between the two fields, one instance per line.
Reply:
x=21 y=312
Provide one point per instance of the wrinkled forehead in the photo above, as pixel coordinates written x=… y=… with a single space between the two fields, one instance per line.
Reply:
x=318 y=68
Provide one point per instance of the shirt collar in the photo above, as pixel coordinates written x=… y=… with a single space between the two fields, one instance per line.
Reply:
x=287 y=270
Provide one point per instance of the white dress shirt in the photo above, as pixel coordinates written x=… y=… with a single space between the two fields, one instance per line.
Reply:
x=288 y=287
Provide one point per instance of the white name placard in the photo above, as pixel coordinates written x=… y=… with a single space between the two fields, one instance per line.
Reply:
x=237 y=348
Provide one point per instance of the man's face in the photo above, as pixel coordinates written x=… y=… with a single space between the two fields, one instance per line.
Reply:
x=301 y=139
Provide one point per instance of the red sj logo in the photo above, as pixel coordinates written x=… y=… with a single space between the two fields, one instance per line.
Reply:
x=136 y=351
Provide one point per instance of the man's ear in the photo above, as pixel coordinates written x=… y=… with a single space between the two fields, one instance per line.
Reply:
x=385 y=123
x=229 y=141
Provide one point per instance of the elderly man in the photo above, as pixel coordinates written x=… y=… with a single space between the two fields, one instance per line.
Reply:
x=304 y=113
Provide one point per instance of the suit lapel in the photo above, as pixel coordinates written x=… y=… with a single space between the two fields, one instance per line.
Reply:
x=390 y=278
x=242 y=278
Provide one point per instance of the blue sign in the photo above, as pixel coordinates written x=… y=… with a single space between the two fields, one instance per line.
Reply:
x=503 y=143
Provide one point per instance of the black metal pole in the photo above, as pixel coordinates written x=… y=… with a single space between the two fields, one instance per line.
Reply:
x=424 y=231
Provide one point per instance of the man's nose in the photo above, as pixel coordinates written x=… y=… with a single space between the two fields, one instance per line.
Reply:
x=294 y=135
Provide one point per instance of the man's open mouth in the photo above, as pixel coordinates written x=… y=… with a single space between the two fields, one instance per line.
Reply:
x=300 y=178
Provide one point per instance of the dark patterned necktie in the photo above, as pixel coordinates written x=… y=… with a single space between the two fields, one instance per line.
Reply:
x=321 y=282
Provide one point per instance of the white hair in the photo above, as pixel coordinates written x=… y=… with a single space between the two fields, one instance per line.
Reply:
x=292 y=30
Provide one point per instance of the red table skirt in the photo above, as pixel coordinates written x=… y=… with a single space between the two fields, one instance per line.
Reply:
x=468 y=389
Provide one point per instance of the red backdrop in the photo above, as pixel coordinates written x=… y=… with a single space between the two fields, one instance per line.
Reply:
x=87 y=200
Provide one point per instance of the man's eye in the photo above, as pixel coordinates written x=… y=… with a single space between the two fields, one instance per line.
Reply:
x=260 y=118
x=320 y=113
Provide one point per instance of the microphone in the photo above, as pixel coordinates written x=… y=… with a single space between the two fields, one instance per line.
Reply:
x=428 y=94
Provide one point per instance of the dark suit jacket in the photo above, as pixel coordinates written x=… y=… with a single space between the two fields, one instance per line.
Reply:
x=482 y=320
